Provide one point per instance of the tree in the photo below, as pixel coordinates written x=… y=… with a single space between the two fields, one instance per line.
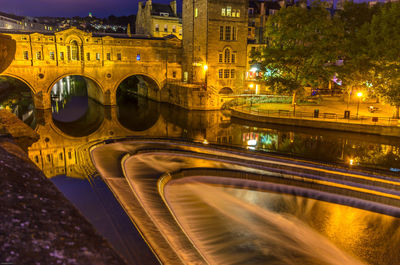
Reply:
x=383 y=36
x=355 y=72
x=302 y=48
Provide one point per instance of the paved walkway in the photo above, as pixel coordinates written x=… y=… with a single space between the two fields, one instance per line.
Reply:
x=330 y=109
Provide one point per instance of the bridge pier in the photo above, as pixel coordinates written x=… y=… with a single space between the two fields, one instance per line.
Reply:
x=42 y=100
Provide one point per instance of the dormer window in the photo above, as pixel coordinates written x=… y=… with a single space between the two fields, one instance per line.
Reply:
x=164 y=14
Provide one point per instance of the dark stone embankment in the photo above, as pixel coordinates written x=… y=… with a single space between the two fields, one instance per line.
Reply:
x=38 y=224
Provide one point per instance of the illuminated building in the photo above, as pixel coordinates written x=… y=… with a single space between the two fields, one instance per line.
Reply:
x=158 y=20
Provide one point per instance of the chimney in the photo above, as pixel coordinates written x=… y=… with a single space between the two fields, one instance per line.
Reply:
x=172 y=4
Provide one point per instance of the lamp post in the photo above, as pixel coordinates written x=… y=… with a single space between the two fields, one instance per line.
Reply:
x=205 y=68
x=359 y=95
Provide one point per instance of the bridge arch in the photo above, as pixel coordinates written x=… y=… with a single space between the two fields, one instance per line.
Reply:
x=94 y=88
x=143 y=84
x=33 y=90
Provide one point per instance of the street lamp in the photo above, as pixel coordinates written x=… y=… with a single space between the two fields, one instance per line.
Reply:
x=205 y=68
x=359 y=95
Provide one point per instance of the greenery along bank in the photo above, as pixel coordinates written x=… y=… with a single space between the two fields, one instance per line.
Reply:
x=358 y=46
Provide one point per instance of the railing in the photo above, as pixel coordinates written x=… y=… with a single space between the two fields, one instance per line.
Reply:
x=353 y=119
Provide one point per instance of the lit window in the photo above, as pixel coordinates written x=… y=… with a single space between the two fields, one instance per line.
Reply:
x=226 y=73
x=232 y=73
x=223 y=12
x=228 y=33
x=138 y=57
x=233 y=12
x=26 y=55
x=109 y=56
x=238 y=13
x=98 y=56
x=196 y=12
x=88 y=56
x=228 y=11
x=52 y=56
x=119 y=57
x=227 y=58
x=220 y=72
x=221 y=33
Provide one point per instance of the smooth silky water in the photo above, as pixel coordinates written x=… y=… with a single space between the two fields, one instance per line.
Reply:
x=229 y=225
x=242 y=226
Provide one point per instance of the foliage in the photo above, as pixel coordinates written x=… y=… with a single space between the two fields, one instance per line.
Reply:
x=384 y=51
x=303 y=46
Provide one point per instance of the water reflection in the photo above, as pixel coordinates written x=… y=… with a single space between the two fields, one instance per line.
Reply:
x=16 y=97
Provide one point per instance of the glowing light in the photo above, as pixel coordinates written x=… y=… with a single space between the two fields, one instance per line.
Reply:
x=205 y=67
x=351 y=162
x=205 y=141
x=252 y=142
x=254 y=69
x=359 y=94
x=251 y=85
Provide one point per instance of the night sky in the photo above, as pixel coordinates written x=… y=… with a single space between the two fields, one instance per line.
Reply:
x=70 y=8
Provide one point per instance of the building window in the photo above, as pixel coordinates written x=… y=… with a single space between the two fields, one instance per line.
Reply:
x=174 y=29
x=119 y=57
x=220 y=73
x=74 y=51
x=233 y=12
x=98 y=56
x=88 y=56
x=165 y=28
x=220 y=60
x=232 y=73
x=238 y=13
x=173 y=74
x=223 y=12
x=227 y=54
x=138 y=57
x=52 y=56
x=62 y=56
x=221 y=33
x=196 y=12
x=109 y=56
x=157 y=28
x=233 y=33
x=226 y=73
x=26 y=55
x=39 y=55
x=228 y=11
x=228 y=33
x=251 y=11
x=233 y=58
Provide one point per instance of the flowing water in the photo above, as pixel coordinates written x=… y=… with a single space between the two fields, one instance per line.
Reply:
x=229 y=225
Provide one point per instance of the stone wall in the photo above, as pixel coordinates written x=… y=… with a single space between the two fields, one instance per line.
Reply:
x=7 y=51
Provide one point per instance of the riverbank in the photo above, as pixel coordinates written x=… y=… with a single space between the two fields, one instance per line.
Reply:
x=39 y=225
x=388 y=128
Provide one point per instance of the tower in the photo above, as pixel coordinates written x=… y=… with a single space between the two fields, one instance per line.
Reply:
x=214 y=43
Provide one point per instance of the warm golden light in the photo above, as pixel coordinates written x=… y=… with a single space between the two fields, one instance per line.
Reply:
x=251 y=85
x=205 y=67
x=359 y=94
x=351 y=162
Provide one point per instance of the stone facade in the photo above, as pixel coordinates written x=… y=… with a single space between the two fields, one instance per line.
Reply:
x=214 y=44
x=41 y=60
x=158 y=20
x=7 y=51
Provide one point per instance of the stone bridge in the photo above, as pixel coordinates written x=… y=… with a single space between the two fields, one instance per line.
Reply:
x=41 y=60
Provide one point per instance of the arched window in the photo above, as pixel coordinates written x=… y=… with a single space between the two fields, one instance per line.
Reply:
x=227 y=55
x=74 y=50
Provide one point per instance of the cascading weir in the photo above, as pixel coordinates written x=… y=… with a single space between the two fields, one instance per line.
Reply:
x=197 y=203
